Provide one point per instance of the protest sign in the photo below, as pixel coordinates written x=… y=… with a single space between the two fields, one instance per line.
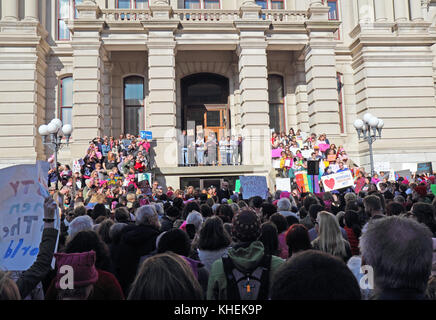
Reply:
x=433 y=189
x=144 y=176
x=424 y=167
x=253 y=186
x=76 y=166
x=306 y=153
x=283 y=184
x=237 y=185
x=23 y=189
x=146 y=135
x=276 y=153
x=403 y=173
x=337 y=181
x=382 y=166
x=287 y=162
x=276 y=163
x=331 y=158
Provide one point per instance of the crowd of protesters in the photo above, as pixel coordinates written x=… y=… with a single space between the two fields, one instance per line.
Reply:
x=299 y=147
x=127 y=238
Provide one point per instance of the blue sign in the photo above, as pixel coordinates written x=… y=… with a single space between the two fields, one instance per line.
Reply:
x=253 y=186
x=424 y=167
x=146 y=135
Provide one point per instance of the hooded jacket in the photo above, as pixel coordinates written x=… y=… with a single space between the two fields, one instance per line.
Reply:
x=245 y=258
x=136 y=241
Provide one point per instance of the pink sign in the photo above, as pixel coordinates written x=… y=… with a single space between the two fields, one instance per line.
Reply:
x=276 y=153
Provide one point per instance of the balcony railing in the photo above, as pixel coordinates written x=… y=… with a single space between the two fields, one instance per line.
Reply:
x=283 y=15
x=201 y=15
x=198 y=15
x=126 y=15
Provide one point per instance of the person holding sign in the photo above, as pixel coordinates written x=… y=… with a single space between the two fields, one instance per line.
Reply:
x=10 y=290
x=199 y=144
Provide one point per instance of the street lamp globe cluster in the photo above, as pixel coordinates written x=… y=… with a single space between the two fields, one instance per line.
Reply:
x=369 y=129
x=56 y=132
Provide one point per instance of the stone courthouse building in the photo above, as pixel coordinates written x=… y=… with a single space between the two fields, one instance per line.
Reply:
x=111 y=67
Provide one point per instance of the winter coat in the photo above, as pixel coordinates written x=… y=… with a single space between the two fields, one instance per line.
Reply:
x=245 y=257
x=135 y=241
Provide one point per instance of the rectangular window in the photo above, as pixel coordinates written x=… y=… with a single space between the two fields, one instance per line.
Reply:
x=340 y=101
x=63 y=13
x=333 y=10
x=123 y=4
x=192 y=4
x=211 y=4
x=141 y=4
x=262 y=3
x=277 y=4
x=66 y=103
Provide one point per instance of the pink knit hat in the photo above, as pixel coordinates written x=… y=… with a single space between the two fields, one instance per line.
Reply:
x=83 y=265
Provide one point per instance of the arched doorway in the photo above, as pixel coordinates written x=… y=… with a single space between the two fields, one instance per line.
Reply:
x=205 y=102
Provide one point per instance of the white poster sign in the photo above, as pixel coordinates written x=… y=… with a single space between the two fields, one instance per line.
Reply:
x=337 y=181
x=283 y=184
x=23 y=189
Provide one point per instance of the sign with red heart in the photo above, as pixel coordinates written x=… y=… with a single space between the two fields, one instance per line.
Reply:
x=337 y=181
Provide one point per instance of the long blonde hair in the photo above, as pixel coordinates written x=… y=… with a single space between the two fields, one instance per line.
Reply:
x=330 y=237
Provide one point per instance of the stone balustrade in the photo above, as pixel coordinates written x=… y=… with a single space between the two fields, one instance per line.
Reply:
x=126 y=15
x=201 y=15
x=283 y=15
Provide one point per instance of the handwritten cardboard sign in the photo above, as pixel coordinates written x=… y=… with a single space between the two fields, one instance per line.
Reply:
x=337 y=181
x=253 y=186
x=331 y=158
x=283 y=184
x=23 y=189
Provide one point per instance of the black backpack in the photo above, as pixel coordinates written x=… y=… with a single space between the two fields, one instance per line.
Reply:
x=247 y=285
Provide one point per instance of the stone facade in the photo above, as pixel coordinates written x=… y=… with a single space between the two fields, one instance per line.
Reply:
x=383 y=50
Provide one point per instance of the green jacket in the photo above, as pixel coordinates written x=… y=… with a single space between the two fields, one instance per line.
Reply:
x=243 y=258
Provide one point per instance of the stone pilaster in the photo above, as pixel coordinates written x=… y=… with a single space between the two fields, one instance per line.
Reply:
x=320 y=67
x=107 y=95
x=22 y=90
x=88 y=110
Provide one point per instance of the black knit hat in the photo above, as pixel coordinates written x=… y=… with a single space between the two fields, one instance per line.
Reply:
x=246 y=226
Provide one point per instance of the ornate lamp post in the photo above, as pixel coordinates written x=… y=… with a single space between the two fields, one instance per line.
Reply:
x=369 y=129
x=56 y=132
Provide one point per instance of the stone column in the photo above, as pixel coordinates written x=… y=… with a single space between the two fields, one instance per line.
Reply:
x=320 y=67
x=380 y=11
x=253 y=86
x=31 y=10
x=400 y=10
x=162 y=86
x=88 y=111
x=10 y=10
x=415 y=10
x=364 y=11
